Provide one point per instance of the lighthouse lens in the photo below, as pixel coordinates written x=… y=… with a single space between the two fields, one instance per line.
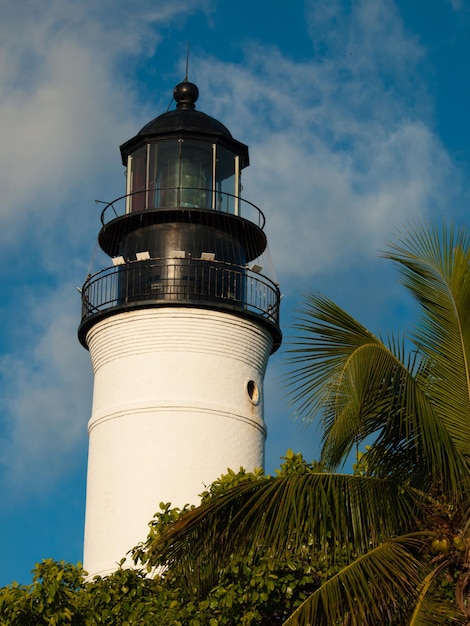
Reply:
x=184 y=174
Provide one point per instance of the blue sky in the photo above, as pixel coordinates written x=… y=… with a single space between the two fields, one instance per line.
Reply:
x=356 y=114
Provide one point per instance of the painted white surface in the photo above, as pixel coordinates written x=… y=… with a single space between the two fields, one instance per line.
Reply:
x=171 y=412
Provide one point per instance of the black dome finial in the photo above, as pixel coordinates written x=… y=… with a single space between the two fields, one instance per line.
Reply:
x=185 y=95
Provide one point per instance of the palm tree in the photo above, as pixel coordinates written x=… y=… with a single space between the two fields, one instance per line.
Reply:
x=398 y=529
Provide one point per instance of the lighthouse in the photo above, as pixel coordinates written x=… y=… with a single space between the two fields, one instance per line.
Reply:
x=179 y=324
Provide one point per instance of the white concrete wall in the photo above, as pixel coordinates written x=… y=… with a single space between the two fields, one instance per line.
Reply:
x=171 y=412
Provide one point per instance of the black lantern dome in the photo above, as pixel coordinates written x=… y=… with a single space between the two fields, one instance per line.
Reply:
x=182 y=235
x=185 y=119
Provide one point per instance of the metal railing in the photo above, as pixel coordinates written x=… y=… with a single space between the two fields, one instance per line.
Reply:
x=148 y=200
x=182 y=281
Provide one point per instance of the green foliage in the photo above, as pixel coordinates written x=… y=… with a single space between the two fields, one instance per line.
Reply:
x=252 y=590
x=249 y=590
x=127 y=597
x=52 y=599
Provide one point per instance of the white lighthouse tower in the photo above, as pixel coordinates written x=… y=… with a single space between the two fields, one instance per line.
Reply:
x=179 y=328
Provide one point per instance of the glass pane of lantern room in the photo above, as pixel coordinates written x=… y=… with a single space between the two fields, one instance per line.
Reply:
x=151 y=196
x=138 y=173
x=196 y=174
x=167 y=173
x=226 y=180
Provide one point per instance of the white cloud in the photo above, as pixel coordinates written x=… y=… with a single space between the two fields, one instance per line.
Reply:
x=366 y=38
x=67 y=100
x=337 y=161
x=457 y=5
x=46 y=393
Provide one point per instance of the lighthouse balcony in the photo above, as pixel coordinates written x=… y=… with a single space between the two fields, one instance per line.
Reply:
x=182 y=197
x=239 y=220
x=202 y=283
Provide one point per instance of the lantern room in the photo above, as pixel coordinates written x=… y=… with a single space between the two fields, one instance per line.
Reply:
x=184 y=159
x=182 y=235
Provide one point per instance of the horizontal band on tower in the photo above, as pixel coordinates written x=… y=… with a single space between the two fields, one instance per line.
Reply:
x=133 y=412
x=173 y=330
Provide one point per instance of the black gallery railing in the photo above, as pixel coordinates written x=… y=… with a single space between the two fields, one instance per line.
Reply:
x=181 y=198
x=185 y=280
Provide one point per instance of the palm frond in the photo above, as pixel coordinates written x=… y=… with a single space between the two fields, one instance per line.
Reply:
x=376 y=586
x=325 y=337
x=320 y=513
x=365 y=389
x=431 y=610
x=435 y=266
